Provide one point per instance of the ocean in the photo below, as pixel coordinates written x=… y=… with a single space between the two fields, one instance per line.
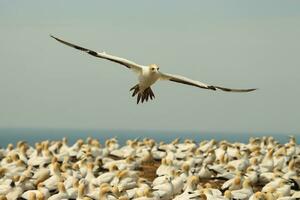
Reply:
x=13 y=135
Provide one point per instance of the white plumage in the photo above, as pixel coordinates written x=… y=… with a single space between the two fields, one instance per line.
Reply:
x=148 y=75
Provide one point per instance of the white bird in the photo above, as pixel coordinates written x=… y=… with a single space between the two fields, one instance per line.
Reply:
x=51 y=182
x=257 y=196
x=15 y=193
x=178 y=183
x=243 y=193
x=40 y=189
x=148 y=75
x=191 y=185
x=166 y=190
x=232 y=184
x=146 y=195
x=124 y=180
x=204 y=172
x=62 y=194
x=6 y=187
x=273 y=184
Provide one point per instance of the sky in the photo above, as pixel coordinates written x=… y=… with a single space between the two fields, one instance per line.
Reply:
x=232 y=43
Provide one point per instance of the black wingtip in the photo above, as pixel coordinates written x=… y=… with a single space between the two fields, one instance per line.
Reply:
x=250 y=90
x=235 y=90
x=52 y=36
x=55 y=38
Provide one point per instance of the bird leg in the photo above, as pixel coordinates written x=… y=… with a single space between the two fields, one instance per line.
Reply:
x=142 y=95
x=136 y=89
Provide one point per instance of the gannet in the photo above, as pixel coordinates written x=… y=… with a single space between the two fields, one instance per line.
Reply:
x=164 y=191
x=51 y=182
x=204 y=172
x=105 y=194
x=62 y=193
x=15 y=193
x=243 y=193
x=146 y=195
x=257 y=196
x=233 y=184
x=148 y=75
x=124 y=181
x=143 y=186
x=106 y=177
x=40 y=188
x=178 y=183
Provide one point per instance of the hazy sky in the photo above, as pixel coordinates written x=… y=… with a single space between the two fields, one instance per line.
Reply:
x=242 y=44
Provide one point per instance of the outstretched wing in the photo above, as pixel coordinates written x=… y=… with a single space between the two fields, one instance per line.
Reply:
x=122 y=61
x=187 y=81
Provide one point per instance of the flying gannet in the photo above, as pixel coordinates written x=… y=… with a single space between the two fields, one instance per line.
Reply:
x=148 y=75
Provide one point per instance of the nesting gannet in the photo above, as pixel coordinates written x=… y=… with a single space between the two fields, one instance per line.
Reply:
x=127 y=163
x=24 y=182
x=148 y=75
x=270 y=194
x=210 y=157
x=207 y=193
x=243 y=193
x=204 y=172
x=105 y=194
x=125 y=151
x=72 y=190
x=62 y=194
x=214 y=191
x=267 y=163
x=178 y=183
x=191 y=184
x=291 y=170
x=284 y=189
x=166 y=190
x=81 y=191
x=51 y=182
x=40 y=189
x=146 y=195
x=143 y=185
x=41 y=175
x=187 y=195
x=124 y=180
x=232 y=184
x=257 y=196
x=90 y=174
x=106 y=177
x=276 y=183
x=165 y=168
x=252 y=175
x=159 y=180
x=15 y=193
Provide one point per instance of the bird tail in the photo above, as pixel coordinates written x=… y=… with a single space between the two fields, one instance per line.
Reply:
x=142 y=95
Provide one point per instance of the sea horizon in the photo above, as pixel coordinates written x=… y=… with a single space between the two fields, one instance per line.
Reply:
x=32 y=135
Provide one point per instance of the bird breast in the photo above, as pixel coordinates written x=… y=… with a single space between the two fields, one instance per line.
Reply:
x=147 y=78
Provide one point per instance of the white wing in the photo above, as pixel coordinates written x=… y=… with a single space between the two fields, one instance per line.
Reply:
x=129 y=64
x=187 y=81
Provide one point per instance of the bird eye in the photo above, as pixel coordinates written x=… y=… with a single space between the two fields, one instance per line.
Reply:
x=158 y=68
x=153 y=69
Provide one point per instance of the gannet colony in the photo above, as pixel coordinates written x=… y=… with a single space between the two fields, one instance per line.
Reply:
x=262 y=169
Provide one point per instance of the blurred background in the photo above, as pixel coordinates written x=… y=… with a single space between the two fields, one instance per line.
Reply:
x=239 y=44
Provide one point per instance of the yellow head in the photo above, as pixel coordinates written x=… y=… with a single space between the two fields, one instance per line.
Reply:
x=153 y=68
